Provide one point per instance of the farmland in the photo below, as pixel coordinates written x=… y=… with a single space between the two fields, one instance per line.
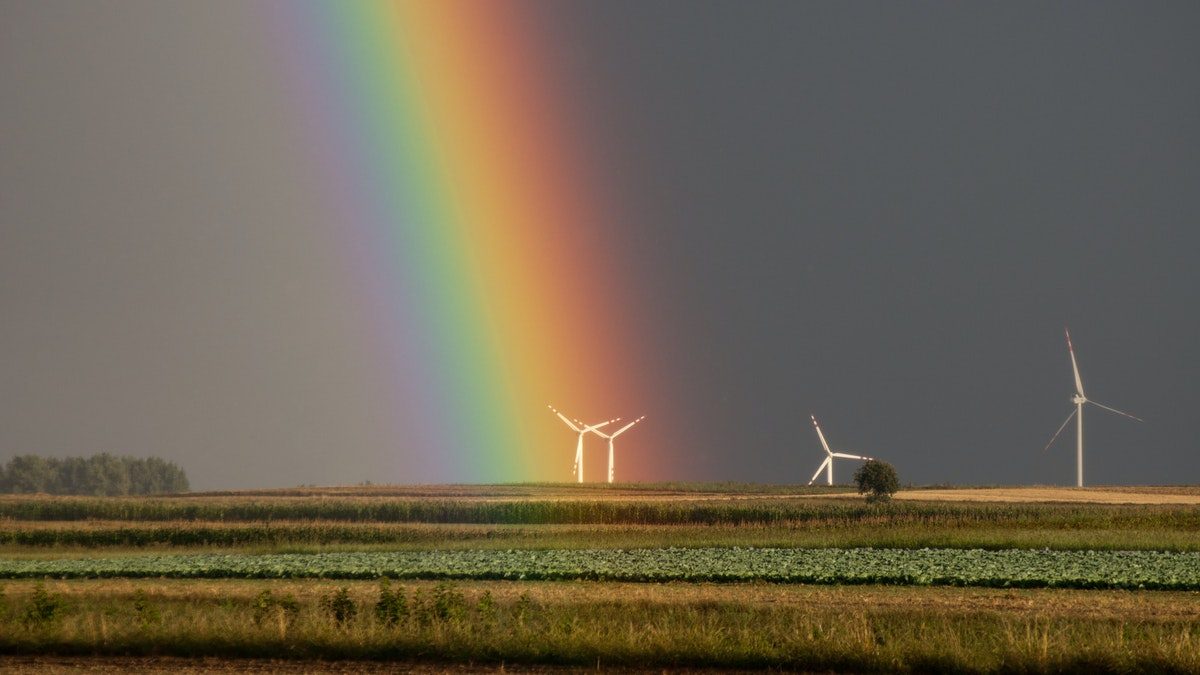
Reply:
x=917 y=567
x=729 y=576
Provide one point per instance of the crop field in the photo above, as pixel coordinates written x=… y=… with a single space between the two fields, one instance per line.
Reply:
x=657 y=576
x=917 y=567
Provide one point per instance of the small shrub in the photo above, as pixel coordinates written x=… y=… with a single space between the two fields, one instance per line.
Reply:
x=486 y=608
x=392 y=606
x=289 y=606
x=422 y=609
x=523 y=608
x=340 y=606
x=266 y=606
x=877 y=480
x=449 y=603
x=147 y=614
x=44 y=608
x=263 y=604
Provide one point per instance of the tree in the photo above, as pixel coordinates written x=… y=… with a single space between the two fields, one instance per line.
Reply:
x=877 y=480
x=98 y=475
x=30 y=473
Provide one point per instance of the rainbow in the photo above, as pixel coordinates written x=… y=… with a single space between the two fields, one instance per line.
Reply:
x=470 y=214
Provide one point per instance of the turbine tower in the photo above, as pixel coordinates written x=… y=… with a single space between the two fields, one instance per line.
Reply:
x=581 y=429
x=1079 y=399
x=827 y=465
x=610 y=438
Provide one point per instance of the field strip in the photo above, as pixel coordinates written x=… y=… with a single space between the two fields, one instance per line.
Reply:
x=953 y=567
x=1026 y=495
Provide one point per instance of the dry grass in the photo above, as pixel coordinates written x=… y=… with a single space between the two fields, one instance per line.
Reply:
x=669 y=492
x=630 y=626
x=1105 y=495
x=1045 y=603
x=171 y=665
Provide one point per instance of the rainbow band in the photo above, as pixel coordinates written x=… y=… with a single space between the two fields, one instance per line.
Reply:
x=469 y=219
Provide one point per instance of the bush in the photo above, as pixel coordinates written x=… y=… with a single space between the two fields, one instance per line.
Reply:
x=877 y=480
x=449 y=604
x=43 y=608
x=267 y=605
x=486 y=608
x=392 y=606
x=339 y=606
x=147 y=614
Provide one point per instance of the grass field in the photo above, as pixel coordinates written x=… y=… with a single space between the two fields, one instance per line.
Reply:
x=859 y=629
x=764 y=533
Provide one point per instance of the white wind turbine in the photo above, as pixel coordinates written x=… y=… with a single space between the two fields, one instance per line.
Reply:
x=582 y=429
x=827 y=465
x=1079 y=399
x=610 y=438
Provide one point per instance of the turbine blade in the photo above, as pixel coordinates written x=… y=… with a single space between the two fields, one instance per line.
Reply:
x=1074 y=365
x=569 y=422
x=845 y=456
x=1119 y=412
x=625 y=428
x=820 y=469
x=594 y=427
x=1060 y=429
x=565 y=419
x=821 y=436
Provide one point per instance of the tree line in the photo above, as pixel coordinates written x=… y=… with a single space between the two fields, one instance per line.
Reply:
x=98 y=475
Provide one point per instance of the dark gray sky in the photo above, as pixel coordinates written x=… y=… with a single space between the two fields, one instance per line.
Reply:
x=881 y=213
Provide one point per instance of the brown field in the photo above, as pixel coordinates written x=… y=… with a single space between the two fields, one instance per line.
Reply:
x=170 y=665
x=1097 y=495
x=1186 y=495
x=676 y=627
x=658 y=493
x=1043 y=602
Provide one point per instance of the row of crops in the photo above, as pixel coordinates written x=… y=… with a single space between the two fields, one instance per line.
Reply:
x=538 y=512
x=972 y=567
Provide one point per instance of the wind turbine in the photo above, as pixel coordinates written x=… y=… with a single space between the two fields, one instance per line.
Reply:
x=827 y=465
x=581 y=429
x=1079 y=399
x=610 y=438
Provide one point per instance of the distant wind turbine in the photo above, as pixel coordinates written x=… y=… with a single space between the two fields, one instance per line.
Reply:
x=582 y=429
x=827 y=465
x=1079 y=399
x=610 y=438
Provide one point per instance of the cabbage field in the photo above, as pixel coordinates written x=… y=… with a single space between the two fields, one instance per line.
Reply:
x=953 y=567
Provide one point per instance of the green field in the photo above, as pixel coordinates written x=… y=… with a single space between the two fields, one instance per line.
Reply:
x=912 y=567
x=652 y=576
